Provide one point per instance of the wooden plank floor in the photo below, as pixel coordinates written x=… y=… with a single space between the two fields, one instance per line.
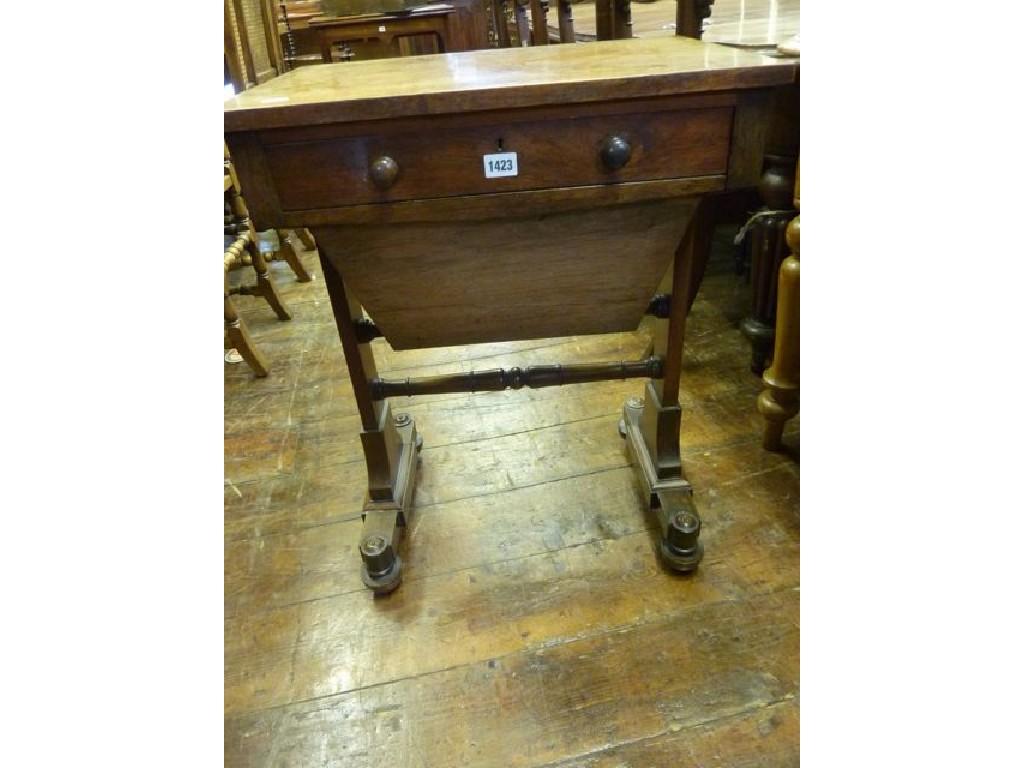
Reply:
x=534 y=626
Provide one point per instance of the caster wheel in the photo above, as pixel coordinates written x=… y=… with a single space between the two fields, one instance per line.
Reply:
x=419 y=443
x=622 y=428
x=384 y=583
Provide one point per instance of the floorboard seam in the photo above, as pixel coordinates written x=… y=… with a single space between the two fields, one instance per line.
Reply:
x=684 y=454
x=408 y=580
x=421 y=508
x=544 y=646
x=566 y=761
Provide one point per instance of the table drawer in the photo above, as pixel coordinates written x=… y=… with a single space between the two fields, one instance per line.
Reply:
x=448 y=161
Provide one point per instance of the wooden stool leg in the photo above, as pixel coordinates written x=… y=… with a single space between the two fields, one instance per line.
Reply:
x=690 y=15
x=264 y=285
x=622 y=19
x=305 y=238
x=522 y=25
x=780 y=400
x=500 y=22
x=539 y=16
x=238 y=336
x=288 y=254
x=566 y=30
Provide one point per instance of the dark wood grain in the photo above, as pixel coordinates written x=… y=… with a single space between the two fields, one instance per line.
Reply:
x=539 y=23
x=749 y=129
x=500 y=79
x=384 y=29
x=537 y=284
x=690 y=15
x=431 y=124
x=467 y=27
x=498 y=205
x=555 y=153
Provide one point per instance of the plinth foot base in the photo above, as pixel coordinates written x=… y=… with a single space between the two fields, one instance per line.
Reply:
x=670 y=498
x=384 y=520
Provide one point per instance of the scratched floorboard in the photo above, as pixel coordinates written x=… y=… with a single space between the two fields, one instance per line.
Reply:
x=534 y=626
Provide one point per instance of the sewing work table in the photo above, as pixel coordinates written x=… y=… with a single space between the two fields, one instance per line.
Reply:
x=509 y=194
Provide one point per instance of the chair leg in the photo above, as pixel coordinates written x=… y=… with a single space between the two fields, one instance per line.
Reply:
x=264 y=285
x=780 y=400
x=239 y=337
x=766 y=237
x=306 y=238
x=288 y=254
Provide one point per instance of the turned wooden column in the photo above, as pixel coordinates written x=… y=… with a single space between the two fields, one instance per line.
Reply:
x=614 y=19
x=780 y=400
x=566 y=30
x=522 y=25
x=539 y=17
x=500 y=23
x=238 y=335
x=766 y=247
x=690 y=15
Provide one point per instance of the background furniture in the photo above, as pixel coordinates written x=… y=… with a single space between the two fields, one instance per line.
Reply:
x=754 y=24
x=536 y=31
x=251 y=37
x=780 y=400
x=236 y=222
x=384 y=29
x=403 y=206
x=764 y=248
x=252 y=42
x=301 y=47
x=466 y=29
x=241 y=250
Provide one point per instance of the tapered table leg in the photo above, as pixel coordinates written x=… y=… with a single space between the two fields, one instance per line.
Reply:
x=390 y=446
x=650 y=425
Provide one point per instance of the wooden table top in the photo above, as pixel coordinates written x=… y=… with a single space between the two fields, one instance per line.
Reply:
x=502 y=78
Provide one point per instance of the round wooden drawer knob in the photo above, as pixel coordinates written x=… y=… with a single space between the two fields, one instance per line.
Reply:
x=615 y=153
x=383 y=172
